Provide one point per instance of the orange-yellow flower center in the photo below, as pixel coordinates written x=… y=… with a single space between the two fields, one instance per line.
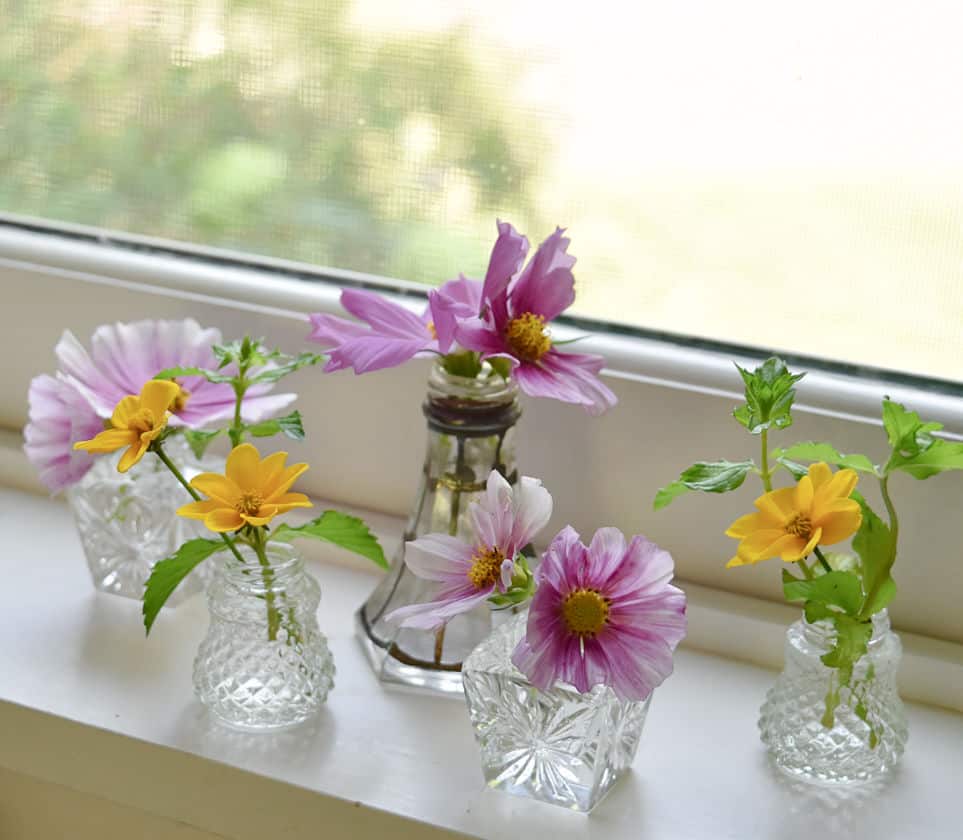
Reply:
x=486 y=567
x=249 y=503
x=528 y=337
x=178 y=403
x=585 y=611
x=431 y=329
x=142 y=421
x=800 y=526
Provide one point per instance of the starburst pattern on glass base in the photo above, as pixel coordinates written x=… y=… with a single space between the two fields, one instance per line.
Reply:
x=557 y=746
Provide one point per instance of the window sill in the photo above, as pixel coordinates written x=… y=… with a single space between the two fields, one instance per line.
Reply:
x=82 y=681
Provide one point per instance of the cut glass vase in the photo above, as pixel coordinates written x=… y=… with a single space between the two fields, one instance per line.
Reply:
x=557 y=746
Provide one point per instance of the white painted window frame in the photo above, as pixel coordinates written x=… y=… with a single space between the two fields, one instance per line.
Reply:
x=366 y=433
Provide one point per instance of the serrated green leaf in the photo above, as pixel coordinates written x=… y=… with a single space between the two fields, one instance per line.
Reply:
x=769 y=396
x=337 y=528
x=209 y=375
x=832 y=589
x=273 y=374
x=169 y=572
x=290 y=425
x=667 y=494
x=795 y=469
x=852 y=638
x=873 y=543
x=939 y=456
x=199 y=440
x=716 y=476
x=812 y=451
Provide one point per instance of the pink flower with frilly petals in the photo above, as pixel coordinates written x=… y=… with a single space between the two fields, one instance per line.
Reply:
x=125 y=356
x=59 y=417
x=504 y=520
x=388 y=334
x=517 y=306
x=603 y=615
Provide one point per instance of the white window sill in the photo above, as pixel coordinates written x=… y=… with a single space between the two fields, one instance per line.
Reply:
x=89 y=704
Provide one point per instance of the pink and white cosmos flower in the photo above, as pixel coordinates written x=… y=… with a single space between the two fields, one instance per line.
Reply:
x=603 y=615
x=125 y=356
x=518 y=304
x=504 y=521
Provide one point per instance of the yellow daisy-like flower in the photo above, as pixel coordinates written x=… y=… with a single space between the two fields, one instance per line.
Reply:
x=252 y=491
x=136 y=422
x=792 y=521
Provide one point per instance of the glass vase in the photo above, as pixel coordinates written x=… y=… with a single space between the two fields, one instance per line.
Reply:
x=470 y=433
x=557 y=746
x=263 y=664
x=865 y=735
x=128 y=521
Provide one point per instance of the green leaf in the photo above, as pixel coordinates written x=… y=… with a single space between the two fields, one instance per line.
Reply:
x=907 y=434
x=769 y=396
x=877 y=552
x=168 y=573
x=342 y=530
x=465 y=364
x=796 y=469
x=939 y=456
x=209 y=375
x=273 y=374
x=832 y=589
x=852 y=638
x=811 y=451
x=290 y=425
x=199 y=440
x=667 y=494
x=501 y=366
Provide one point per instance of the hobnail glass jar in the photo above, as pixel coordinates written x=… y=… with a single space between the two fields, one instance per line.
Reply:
x=867 y=732
x=128 y=521
x=557 y=746
x=470 y=433
x=263 y=664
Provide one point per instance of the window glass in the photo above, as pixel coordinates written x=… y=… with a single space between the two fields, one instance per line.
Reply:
x=784 y=175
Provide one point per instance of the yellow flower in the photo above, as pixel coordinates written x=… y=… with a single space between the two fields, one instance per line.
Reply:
x=251 y=491
x=792 y=521
x=136 y=422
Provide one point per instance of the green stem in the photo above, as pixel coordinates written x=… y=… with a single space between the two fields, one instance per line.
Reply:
x=894 y=534
x=267 y=575
x=822 y=560
x=766 y=473
x=236 y=431
x=807 y=572
x=158 y=450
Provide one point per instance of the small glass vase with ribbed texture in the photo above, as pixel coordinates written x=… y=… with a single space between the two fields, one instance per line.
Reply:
x=127 y=522
x=470 y=433
x=264 y=663
x=864 y=737
x=557 y=746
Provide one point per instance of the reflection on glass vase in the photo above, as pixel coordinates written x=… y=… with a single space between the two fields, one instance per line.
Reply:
x=863 y=737
x=557 y=746
x=264 y=663
x=470 y=433
x=128 y=521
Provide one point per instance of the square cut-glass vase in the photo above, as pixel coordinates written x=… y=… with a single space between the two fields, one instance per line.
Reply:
x=557 y=746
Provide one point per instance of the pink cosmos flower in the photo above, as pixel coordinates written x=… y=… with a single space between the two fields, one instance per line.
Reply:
x=124 y=356
x=59 y=417
x=517 y=308
x=504 y=521
x=603 y=615
x=391 y=334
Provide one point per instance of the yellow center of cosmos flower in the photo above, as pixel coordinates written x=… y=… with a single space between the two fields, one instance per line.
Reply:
x=486 y=567
x=585 y=611
x=800 y=526
x=528 y=337
x=249 y=503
